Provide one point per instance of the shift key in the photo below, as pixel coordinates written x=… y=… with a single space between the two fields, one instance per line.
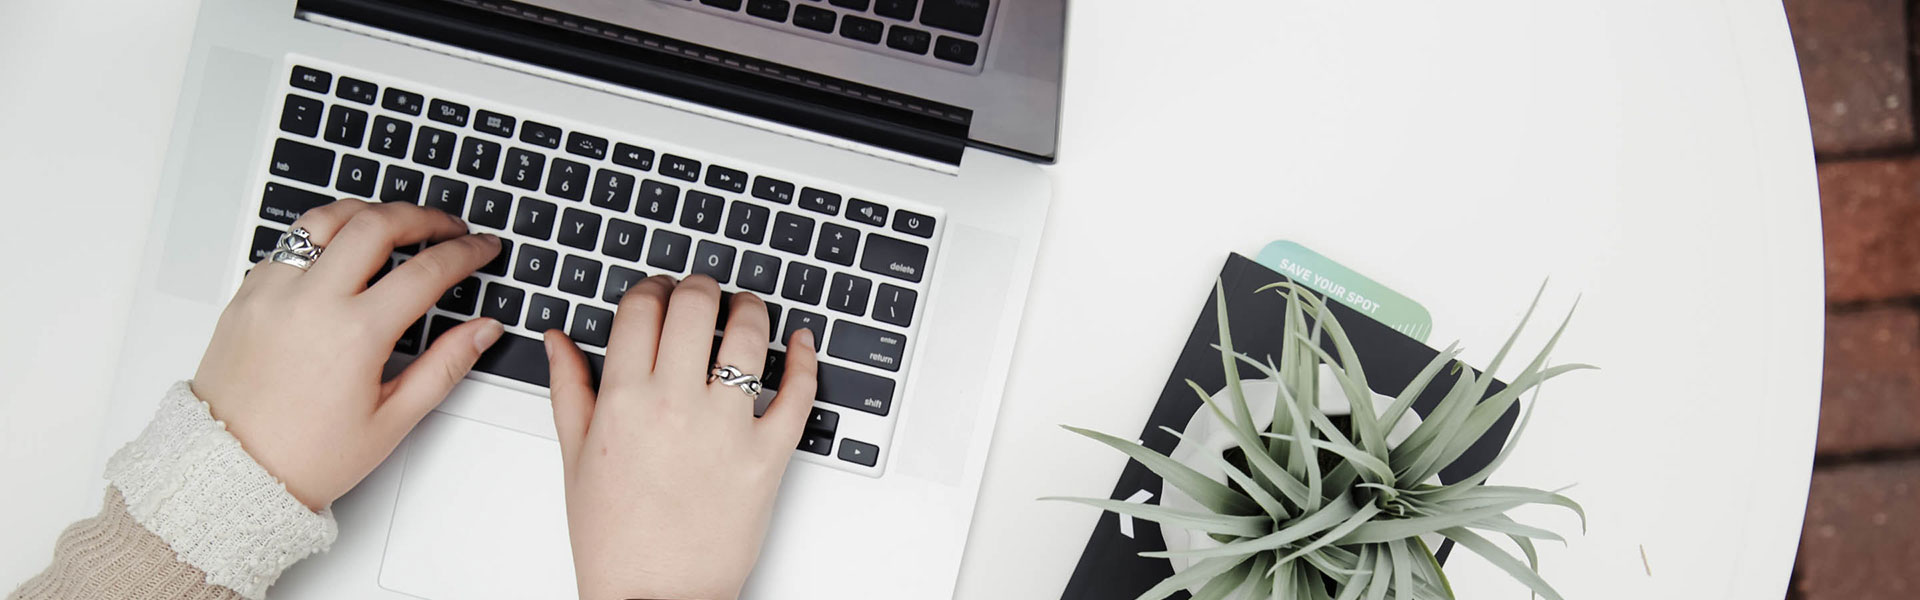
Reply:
x=867 y=346
x=855 y=390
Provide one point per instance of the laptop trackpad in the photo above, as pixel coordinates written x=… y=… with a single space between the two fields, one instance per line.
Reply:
x=481 y=514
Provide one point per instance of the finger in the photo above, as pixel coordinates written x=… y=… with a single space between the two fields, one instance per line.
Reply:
x=573 y=396
x=365 y=242
x=787 y=415
x=745 y=346
x=636 y=331
x=415 y=285
x=426 y=382
x=321 y=223
x=686 y=338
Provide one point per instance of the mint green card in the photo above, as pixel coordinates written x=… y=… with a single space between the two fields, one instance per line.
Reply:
x=1342 y=284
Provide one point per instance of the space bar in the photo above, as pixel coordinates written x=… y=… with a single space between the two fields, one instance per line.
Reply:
x=522 y=358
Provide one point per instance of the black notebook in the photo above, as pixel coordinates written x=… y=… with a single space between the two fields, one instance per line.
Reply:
x=1111 y=566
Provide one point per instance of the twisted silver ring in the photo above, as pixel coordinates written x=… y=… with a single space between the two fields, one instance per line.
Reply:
x=296 y=249
x=731 y=375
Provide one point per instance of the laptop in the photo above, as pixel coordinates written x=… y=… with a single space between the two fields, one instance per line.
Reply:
x=872 y=168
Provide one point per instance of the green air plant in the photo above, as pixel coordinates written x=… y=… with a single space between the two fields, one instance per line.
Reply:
x=1313 y=510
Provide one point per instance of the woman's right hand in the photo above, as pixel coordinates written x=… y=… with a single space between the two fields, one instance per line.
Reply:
x=670 y=479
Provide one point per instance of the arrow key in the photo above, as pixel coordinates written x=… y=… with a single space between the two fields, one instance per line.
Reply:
x=859 y=453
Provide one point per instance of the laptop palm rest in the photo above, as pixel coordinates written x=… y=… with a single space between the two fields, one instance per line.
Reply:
x=481 y=513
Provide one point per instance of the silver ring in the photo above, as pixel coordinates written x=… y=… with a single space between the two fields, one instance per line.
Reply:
x=731 y=375
x=296 y=249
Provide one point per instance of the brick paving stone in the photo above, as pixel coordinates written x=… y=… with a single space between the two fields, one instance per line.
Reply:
x=1853 y=64
x=1870 y=210
x=1870 y=399
x=1861 y=540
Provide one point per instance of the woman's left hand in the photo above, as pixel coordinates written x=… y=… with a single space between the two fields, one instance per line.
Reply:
x=295 y=363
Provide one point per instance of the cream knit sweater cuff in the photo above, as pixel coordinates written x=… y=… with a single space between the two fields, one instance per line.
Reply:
x=186 y=479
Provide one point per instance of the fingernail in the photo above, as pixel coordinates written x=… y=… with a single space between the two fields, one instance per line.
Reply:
x=805 y=337
x=488 y=334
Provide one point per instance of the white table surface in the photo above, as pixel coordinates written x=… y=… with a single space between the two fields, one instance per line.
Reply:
x=1651 y=156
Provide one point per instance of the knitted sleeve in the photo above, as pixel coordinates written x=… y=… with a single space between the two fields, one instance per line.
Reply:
x=186 y=485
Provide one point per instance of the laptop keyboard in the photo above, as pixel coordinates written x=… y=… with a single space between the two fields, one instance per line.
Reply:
x=584 y=214
x=946 y=33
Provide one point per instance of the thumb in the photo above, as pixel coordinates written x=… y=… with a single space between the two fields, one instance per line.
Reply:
x=572 y=387
x=426 y=382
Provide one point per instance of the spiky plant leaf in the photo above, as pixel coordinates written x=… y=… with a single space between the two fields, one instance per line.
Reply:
x=1212 y=494
x=1500 y=558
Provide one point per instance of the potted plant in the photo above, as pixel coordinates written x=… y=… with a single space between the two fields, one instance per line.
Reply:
x=1300 y=483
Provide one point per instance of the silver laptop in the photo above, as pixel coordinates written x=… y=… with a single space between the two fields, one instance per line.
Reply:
x=866 y=166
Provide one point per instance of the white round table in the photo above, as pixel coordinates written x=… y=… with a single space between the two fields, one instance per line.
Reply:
x=1649 y=156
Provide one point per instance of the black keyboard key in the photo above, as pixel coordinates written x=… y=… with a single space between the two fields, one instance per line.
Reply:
x=748 y=222
x=301 y=162
x=633 y=157
x=723 y=4
x=265 y=239
x=498 y=266
x=823 y=202
x=448 y=112
x=853 y=389
x=540 y=134
x=759 y=272
x=346 y=125
x=867 y=346
x=580 y=276
x=356 y=90
x=300 y=115
x=817 y=19
x=703 y=211
x=623 y=240
x=401 y=184
x=669 y=251
x=535 y=265
x=545 y=313
x=591 y=326
x=434 y=147
x=773 y=323
x=567 y=179
x=893 y=305
x=502 y=303
x=859 y=453
x=860 y=28
x=908 y=39
x=612 y=190
x=479 y=158
x=823 y=421
x=390 y=137
x=494 y=123
x=402 y=101
x=965 y=16
x=714 y=260
x=868 y=213
x=913 y=223
x=732 y=180
x=284 y=204
x=519 y=358
x=896 y=9
x=491 y=208
x=680 y=167
x=894 y=258
x=799 y=319
x=772 y=190
x=311 y=79
x=589 y=146
x=658 y=200
x=523 y=168
x=448 y=195
x=953 y=49
x=848 y=294
x=792 y=233
x=805 y=283
x=358 y=176
x=462 y=298
x=838 y=244
x=579 y=229
x=816 y=443
x=853 y=4
x=619 y=280
x=535 y=218
x=771 y=10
